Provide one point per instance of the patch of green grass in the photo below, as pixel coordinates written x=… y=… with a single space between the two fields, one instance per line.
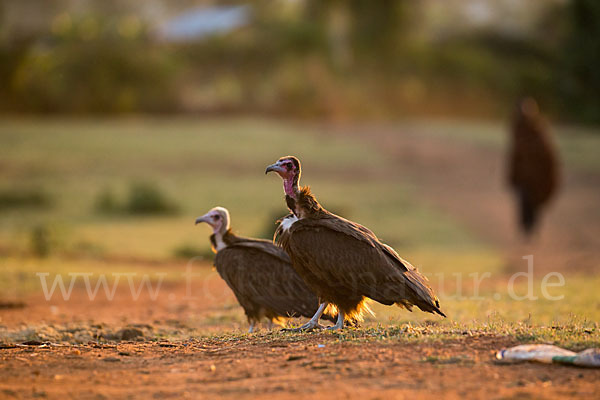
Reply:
x=570 y=322
x=493 y=304
x=574 y=336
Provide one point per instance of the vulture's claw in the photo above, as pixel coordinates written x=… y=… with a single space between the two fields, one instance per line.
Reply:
x=334 y=328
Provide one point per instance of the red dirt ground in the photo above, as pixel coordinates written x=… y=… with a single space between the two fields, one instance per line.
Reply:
x=266 y=364
x=279 y=369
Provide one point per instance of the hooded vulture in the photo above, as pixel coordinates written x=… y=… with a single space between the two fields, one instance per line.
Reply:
x=533 y=170
x=343 y=262
x=259 y=274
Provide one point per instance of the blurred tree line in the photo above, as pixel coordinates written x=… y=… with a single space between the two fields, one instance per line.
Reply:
x=333 y=58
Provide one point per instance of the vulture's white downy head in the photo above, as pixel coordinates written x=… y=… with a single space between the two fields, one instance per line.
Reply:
x=217 y=218
x=289 y=169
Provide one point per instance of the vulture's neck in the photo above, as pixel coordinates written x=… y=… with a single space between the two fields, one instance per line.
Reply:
x=290 y=186
x=306 y=205
x=301 y=202
x=220 y=240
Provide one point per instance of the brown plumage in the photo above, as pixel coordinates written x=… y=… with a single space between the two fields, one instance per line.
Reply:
x=259 y=274
x=533 y=167
x=343 y=262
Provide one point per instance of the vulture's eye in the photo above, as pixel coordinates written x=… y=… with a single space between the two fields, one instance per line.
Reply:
x=216 y=217
x=288 y=165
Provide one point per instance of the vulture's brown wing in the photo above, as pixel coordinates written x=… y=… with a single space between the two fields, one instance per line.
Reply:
x=350 y=256
x=259 y=277
x=264 y=246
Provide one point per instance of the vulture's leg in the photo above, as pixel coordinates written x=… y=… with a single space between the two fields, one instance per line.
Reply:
x=339 y=324
x=270 y=325
x=251 y=329
x=314 y=321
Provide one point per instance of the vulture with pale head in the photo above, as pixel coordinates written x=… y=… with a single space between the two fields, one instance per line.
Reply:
x=343 y=262
x=259 y=274
x=533 y=167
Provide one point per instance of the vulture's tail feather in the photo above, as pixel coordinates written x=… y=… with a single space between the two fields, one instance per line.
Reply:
x=424 y=298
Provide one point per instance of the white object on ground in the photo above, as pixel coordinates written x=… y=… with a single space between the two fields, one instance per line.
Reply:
x=549 y=354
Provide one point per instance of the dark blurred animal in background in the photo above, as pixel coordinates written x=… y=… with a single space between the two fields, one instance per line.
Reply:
x=533 y=165
x=342 y=261
x=259 y=274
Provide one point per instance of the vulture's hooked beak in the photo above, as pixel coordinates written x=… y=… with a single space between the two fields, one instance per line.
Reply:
x=274 y=167
x=201 y=219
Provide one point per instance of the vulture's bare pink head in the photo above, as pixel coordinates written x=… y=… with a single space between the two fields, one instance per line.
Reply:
x=217 y=218
x=289 y=169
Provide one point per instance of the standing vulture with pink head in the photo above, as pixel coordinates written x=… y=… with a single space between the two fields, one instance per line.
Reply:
x=343 y=262
x=259 y=274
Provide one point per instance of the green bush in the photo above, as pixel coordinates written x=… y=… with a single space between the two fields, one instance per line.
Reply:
x=94 y=64
x=146 y=198
x=143 y=198
x=17 y=198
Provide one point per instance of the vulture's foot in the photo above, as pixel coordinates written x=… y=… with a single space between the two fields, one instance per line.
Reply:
x=313 y=324
x=339 y=325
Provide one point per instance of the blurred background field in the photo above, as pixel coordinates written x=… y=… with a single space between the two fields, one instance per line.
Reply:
x=85 y=169
x=122 y=121
x=89 y=170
